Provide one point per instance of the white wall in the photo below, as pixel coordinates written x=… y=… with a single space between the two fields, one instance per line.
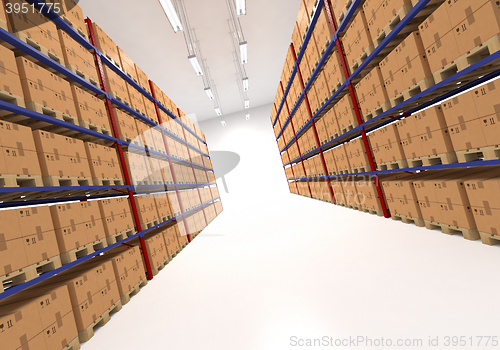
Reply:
x=260 y=172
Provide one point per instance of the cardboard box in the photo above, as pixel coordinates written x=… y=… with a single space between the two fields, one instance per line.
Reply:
x=432 y=128
x=358 y=39
x=344 y=110
x=115 y=83
x=371 y=91
x=18 y=150
x=37 y=230
x=412 y=59
x=356 y=154
x=36 y=26
x=52 y=150
x=125 y=124
x=78 y=57
x=341 y=158
x=13 y=255
x=69 y=227
x=471 y=33
x=90 y=109
x=375 y=17
x=482 y=193
x=74 y=15
x=142 y=79
x=438 y=39
x=466 y=128
x=80 y=166
x=116 y=215
x=147 y=209
x=105 y=44
x=410 y=140
x=386 y=145
x=127 y=64
x=23 y=324
x=92 y=221
x=156 y=248
x=11 y=81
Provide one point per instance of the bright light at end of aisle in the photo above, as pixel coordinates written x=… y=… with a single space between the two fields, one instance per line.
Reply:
x=196 y=65
x=241 y=7
x=209 y=94
x=244 y=52
x=169 y=9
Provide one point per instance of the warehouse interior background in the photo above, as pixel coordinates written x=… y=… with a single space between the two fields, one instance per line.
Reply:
x=274 y=267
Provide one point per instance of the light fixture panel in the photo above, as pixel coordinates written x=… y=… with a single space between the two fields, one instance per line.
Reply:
x=241 y=7
x=245 y=84
x=244 y=52
x=209 y=94
x=196 y=65
x=247 y=104
x=171 y=14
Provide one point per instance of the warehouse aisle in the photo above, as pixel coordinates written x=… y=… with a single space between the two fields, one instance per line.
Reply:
x=260 y=275
x=266 y=270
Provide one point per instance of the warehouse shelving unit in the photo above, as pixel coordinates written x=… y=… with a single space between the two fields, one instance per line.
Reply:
x=449 y=87
x=27 y=196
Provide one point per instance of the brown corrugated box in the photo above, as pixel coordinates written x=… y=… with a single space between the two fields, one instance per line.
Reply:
x=40 y=243
x=358 y=38
x=157 y=251
x=340 y=157
x=90 y=108
x=18 y=150
x=105 y=44
x=386 y=144
x=371 y=91
x=77 y=56
x=344 y=110
x=92 y=221
x=471 y=32
x=69 y=227
x=11 y=81
x=116 y=215
x=438 y=39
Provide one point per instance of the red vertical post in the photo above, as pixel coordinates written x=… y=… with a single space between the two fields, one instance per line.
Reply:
x=121 y=155
x=296 y=141
x=355 y=103
x=170 y=161
x=325 y=169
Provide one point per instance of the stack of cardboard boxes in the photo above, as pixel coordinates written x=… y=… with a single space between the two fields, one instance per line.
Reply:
x=454 y=39
x=357 y=41
x=29 y=245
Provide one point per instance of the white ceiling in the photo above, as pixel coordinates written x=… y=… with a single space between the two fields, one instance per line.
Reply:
x=143 y=31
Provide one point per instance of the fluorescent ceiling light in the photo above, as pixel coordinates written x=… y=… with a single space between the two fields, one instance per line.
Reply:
x=248 y=116
x=209 y=94
x=218 y=112
x=241 y=7
x=247 y=103
x=169 y=9
x=244 y=52
x=223 y=122
x=196 y=65
x=245 y=84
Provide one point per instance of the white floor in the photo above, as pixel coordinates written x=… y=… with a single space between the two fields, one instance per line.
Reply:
x=268 y=269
